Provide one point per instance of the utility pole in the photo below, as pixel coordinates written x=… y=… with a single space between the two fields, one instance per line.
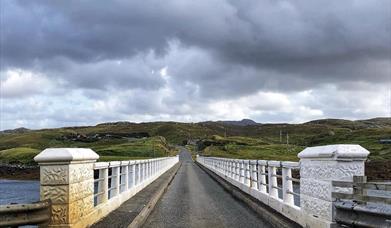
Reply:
x=153 y=148
x=280 y=136
x=287 y=141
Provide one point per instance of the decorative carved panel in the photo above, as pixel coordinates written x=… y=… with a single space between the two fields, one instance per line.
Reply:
x=81 y=190
x=59 y=214
x=315 y=188
x=81 y=172
x=331 y=171
x=54 y=175
x=317 y=207
x=81 y=208
x=58 y=194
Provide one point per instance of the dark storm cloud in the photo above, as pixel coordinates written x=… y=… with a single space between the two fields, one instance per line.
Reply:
x=300 y=36
x=110 y=53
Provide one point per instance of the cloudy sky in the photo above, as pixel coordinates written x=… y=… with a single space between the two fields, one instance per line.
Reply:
x=83 y=62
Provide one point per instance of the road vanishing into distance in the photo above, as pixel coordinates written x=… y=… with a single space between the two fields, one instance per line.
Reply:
x=194 y=199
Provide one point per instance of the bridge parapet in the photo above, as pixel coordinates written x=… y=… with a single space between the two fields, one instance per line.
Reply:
x=319 y=166
x=83 y=191
x=301 y=191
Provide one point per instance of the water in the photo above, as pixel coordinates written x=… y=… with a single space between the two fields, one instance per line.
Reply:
x=296 y=189
x=18 y=191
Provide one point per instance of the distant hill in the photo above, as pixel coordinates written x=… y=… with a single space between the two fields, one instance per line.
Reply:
x=16 y=130
x=370 y=123
x=243 y=122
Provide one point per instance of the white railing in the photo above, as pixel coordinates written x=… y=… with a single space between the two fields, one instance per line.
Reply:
x=82 y=191
x=260 y=178
x=300 y=191
x=113 y=179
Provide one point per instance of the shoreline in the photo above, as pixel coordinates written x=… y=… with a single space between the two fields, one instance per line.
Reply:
x=12 y=172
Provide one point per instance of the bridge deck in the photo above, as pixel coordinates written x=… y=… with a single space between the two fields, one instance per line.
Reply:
x=195 y=200
x=127 y=212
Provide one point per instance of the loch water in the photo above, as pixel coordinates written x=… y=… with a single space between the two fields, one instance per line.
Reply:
x=18 y=191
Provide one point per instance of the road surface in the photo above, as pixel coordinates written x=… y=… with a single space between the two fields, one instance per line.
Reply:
x=195 y=200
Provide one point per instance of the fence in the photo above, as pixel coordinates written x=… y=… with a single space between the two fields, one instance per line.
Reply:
x=83 y=191
x=25 y=214
x=111 y=179
x=300 y=191
x=273 y=178
x=362 y=203
x=269 y=181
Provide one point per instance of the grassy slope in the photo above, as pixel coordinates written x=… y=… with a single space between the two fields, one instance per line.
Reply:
x=322 y=132
x=26 y=146
x=18 y=155
x=250 y=148
x=256 y=141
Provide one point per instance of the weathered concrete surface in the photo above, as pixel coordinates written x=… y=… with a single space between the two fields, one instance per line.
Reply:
x=128 y=211
x=195 y=200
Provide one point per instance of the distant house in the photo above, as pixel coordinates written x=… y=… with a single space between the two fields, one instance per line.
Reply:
x=385 y=141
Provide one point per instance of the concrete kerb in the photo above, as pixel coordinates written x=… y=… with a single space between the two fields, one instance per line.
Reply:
x=147 y=210
x=264 y=211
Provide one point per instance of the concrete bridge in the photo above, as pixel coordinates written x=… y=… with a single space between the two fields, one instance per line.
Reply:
x=327 y=188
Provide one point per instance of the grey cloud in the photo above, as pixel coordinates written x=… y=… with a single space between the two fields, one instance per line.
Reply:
x=214 y=50
x=261 y=33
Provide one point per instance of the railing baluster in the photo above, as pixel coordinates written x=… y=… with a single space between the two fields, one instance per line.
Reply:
x=237 y=170
x=287 y=185
x=102 y=182
x=262 y=184
x=254 y=174
x=272 y=172
x=126 y=176
x=247 y=180
x=116 y=180
x=139 y=173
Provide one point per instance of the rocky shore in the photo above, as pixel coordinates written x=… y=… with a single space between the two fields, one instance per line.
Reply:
x=19 y=172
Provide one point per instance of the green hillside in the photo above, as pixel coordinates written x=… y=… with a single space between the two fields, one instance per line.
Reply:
x=125 y=140
x=26 y=146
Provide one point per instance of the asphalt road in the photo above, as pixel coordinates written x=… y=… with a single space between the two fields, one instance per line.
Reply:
x=195 y=200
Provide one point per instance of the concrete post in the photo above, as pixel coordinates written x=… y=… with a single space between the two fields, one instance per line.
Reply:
x=154 y=167
x=126 y=176
x=133 y=167
x=241 y=177
x=146 y=167
x=262 y=178
x=103 y=185
x=115 y=172
x=247 y=178
x=231 y=169
x=138 y=172
x=149 y=169
x=237 y=170
x=225 y=167
x=287 y=185
x=254 y=174
x=144 y=171
x=67 y=178
x=272 y=172
x=319 y=166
